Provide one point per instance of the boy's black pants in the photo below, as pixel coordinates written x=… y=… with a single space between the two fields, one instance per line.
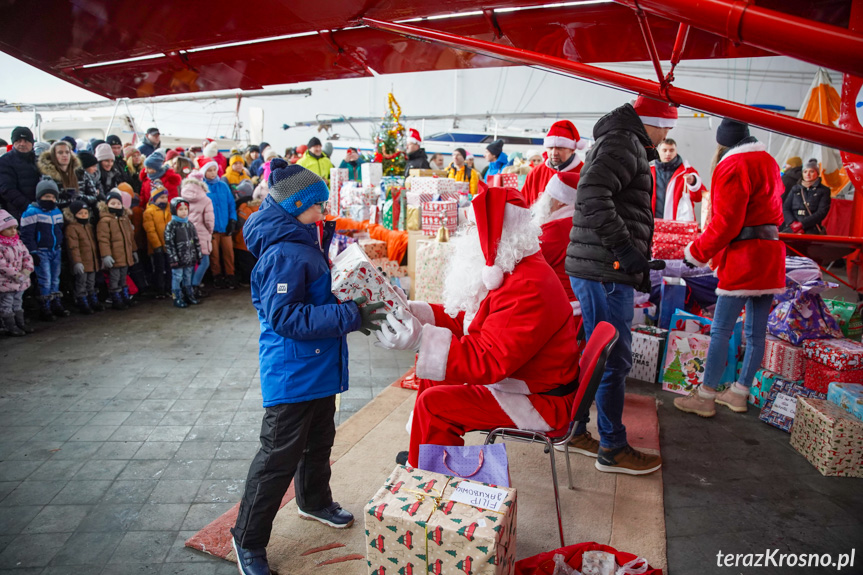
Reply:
x=296 y=441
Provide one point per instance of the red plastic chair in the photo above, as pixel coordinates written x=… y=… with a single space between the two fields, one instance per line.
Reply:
x=591 y=368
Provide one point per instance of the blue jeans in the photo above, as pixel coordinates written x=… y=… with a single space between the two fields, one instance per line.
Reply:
x=201 y=270
x=725 y=316
x=48 y=272
x=614 y=303
x=181 y=277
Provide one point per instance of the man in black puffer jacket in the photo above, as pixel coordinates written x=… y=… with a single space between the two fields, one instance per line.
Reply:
x=19 y=174
x=607 y=259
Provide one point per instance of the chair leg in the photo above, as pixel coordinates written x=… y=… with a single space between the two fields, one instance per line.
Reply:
x=556 y=493
x=569 y=468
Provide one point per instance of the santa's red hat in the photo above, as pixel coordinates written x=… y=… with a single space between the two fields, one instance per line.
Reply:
x=655 y=113
x=562 y=187
x=414 y=136
x=563 y=134
x=493 y=209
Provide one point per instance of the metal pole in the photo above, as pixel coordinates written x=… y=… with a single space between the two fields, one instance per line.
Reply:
x=651 y=45
x=797 y=128
x=822 y=44
x=111 y=121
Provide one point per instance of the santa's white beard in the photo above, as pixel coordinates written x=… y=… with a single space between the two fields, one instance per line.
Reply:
x=541 y=210
x=464 y=290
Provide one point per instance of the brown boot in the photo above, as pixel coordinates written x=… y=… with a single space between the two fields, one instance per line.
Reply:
x=627 y=460
x=733 y=399
x=696 y=403
x=584 y=444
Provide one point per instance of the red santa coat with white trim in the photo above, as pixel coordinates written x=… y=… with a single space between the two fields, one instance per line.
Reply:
x=521 y=342
x=746 y=191
x=553 y=243
x=674 y=189
x=537 y=179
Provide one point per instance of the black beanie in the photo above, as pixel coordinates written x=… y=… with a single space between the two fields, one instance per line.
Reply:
x=113 y=140
x=78 y=205
x=314 y=142
x=730 y=132
x=87 y=159
x=495 y=147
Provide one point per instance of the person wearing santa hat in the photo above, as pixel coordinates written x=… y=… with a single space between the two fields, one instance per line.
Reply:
x=607 y=260
x=560 y=145
x=417 y=158
x=501 y=351
x=210 y=153
x=552 y=212
x=741 y=243
x=676 y=184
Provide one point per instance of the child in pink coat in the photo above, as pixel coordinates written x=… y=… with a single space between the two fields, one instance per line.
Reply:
x=201 y=214
x=16 y=265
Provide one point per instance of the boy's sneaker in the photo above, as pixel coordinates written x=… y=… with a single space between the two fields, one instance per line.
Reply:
x=334 y=516
x=733 y=399
x=219 y=282
x=251 y=561
x=584 y=444
x=627 y=460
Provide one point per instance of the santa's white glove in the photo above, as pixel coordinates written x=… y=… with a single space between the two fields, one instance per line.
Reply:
x=404 y=333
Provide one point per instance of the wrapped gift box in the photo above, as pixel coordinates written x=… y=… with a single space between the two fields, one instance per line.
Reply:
x=503 y=181
x=425 y=522
x=373 y=248
x=819 y=376
x=432 y=258
x=667 y=251
x=848 y=396
x=781 y=404
x=338 y=176
x=764 y=382
x=433 y=214
x=781 y=357
x=647 y=351
x=359 y=213
x=671 y=239
x=371 y=174
x=354 y=275
x=434 y=186
x=829 y=438
x=424 y=173
x=418 y=199
x=838 y=354
x=848 y=316
x=685 y=356
x=687 y=229
x=391 y=268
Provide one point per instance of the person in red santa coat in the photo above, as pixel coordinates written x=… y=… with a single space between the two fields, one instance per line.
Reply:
x=552 y=212
x=742 y=243
x=676 y=184
x=502 y=350
x=560 y=145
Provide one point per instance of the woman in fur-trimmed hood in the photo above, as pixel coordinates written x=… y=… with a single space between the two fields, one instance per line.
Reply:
x=60 y=164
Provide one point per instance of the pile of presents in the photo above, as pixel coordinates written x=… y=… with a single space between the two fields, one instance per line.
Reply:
x=811 y=379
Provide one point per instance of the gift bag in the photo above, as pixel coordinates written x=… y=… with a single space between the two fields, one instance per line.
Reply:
x=432 y=258
x=672 y=298
x=482 y=463
x=692 y=323
x=803 y=315
x=544 y=563
x=848 y=316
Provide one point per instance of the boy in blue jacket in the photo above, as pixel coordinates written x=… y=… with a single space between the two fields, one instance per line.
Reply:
x=42 y=233
x=303 y=355
x=225 y=212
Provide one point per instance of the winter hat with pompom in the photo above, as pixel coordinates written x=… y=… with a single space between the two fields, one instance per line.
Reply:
x=295 y=188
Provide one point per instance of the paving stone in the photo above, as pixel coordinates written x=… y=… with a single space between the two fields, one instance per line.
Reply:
x=118 y=450
x=95 y=432
x=17 y=470
x=143 y=546
x=157 y=450
x=161 y=517
x=109 y=418
x=130 y=491
x=144 y=469
x=32 y=550
x=13 y=519
x=202 y=514
x=238 y=450
x=107 y=469
x=82 y=492
x=110 y=517
x=34 y=493
x=176 y=491
x=132 y=433
x=86 y=548
x=169 y=433
x=58 y=519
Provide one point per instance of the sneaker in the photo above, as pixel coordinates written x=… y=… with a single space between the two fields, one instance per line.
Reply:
x=627 y=460
x=584 y=444
x=334 y=516
x=251 y=561
x=402 y=458
x=219 y=282
x=695 y=403
x=732 y=399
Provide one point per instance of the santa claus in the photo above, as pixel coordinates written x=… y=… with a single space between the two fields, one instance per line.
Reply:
x=552 y=212
x=501 y=351
x=560 y=145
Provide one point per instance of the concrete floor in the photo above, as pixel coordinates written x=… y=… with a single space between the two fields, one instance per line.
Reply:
x=124 y=433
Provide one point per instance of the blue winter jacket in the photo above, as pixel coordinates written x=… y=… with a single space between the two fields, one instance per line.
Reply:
x=224 y=207
x=497 y=166
x=303 y=344
x=41 y=230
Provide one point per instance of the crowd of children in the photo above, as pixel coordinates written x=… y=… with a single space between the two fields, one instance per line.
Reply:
x=107 y=221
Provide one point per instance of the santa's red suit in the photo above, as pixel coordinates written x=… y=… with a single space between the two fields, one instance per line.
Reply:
x=538 y=178
x=746 y=191
x=674 y=190
x=522 y=342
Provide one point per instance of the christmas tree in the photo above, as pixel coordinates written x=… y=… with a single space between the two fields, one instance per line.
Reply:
x=673 y=373
x=390 y=140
